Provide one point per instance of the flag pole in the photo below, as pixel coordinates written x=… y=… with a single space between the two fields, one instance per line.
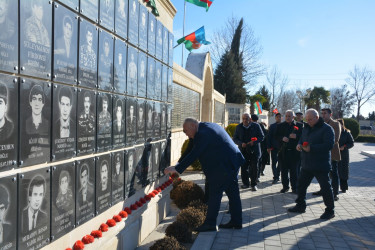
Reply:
x=183 y=34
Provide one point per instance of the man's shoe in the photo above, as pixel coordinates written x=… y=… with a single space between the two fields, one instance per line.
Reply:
x=245 y=186
x=343 y=191
x=284 y=190
x=297 y=209
x=294 y=191
x=205 y=228
x=230 y=225
x=257 y=181
x=319 y=193
x=327 y=215
x=336 y=198
x=275 y=181
x=254 y=188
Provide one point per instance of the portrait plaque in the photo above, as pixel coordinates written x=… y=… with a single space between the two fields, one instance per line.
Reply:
x=105 y=69
x=151 y=34
x=121 y=18
x=170 y=85
x=150 y=78
x=165 y=45
x=89 y=8
x=34 y=209
x=169 y=118
x=149 y=120
x=131 y=120
x=107 y=13
x=71 y=3
x=148 y=161
x=119 y=80
x=35 y=122
x=63 y=199
x=133 y=22
x=131 y=87
x=142 y=70
x=104 y=122
x=164 y=160
x=118 y=126
x=86 y=122
x=9 y=36
x=103 y=183
x=157 y=116
x=85 y=194
x=170 y=49
x=130 y=162
x=143 y=22
x=164 y=83
x=118 y=177
x=8 y=121
x=8 y=218
x=159 y=40
x=157 y=80
x=88 y=47
x=65 y=45
x=156 y=156
x=64 y=122
x=36 y=38
x=141 y=121
x=163 y=121
x=141 y=170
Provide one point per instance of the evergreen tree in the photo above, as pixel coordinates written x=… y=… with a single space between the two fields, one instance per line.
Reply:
x=263 y=91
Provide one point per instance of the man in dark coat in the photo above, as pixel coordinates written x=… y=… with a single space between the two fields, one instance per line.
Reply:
x=315 y=145
x=273 y=147
x=220 y=160
x=248 y=136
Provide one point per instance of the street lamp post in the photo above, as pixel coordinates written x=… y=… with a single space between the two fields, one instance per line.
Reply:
x=302 y=96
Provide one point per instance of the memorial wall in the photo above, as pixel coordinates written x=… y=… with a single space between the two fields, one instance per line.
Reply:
x=85 y=112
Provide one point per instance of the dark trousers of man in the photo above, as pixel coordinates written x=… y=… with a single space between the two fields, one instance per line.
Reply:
x=250 y=170
x=304 y=181
x=343 y=170
x=216 y=187
x=275 y=166
x=335 y=178
x=289 y=165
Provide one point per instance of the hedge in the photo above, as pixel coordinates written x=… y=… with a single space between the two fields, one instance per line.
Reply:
x=365 y=138
x=353 y=126
x=231 y=129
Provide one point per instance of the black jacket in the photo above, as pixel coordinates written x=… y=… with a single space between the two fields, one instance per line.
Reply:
x=284 y=129
x=272 y=141
x=244 y=135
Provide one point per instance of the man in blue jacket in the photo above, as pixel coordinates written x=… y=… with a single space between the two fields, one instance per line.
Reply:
x=315 y=145
x=220 y=160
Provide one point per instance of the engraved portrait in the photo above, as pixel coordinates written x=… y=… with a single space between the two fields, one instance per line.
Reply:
x=87 y=52
x=132 y=71
x=6 y=125
x=35 y=30
x=65 y=124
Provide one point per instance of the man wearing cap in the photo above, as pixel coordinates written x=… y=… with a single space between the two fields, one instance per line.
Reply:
x=6 y=126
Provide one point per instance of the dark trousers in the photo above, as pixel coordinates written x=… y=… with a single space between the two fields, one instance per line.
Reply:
x=304 y=181
x=289 y=167
x=250 y=170
x=216 y=187
x=275 y=166
x=335 y=178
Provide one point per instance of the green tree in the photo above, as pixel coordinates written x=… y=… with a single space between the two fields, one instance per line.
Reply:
x=263 y=91
x=371 y=116
x=342 y=102
x=255 y=98
x=318 y=96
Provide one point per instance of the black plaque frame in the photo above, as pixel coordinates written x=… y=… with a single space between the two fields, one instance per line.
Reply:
x=164 y=161
x=86 y=122
x=118 y=171
x=103 y=193
x=130 y=161
x=120 y=66
x=104 y=122
x=131 y=120
x=141 y=121
x=105 y=65
x=156 y=156
x=85 y=194
x=118 y=126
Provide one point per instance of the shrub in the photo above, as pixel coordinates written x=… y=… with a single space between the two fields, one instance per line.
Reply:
x=365 y=138
x=191 y=217
x=167 y=243
x=198 y=204
x=196 y=164
x=353 y=126
x=231 y=128
x=180 y=231
x=186 y=192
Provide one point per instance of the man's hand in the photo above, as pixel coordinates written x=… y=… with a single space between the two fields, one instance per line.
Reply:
x=285 y=139
x=306 y=148
x=170 y=170
x=243 y=145
x=342 y=148
x=269 y=150
x=251 y=143
x=292 y=136
x=299 y=147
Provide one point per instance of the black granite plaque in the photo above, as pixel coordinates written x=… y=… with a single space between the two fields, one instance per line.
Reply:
x=86 y=122
x=164 y=160
x=63 y=199
x=104 y=122
x=130 y=172
x=156 y=160
x=131 y=87
x=103 y=195
x=150 y=78
x=163 y=121
x=9 y=36
x=118 y=126
x=151 y=34
x=141 y=170
x=170 y=85
x=88 y=47
x=118 y=177
x=133 y=22
x=85 y=194
x=143 y=22
x=121 y=18
x=157 y=115
x=8 y=121
x=131 y=120
x=158 y=80
x=165 y=45
x=64 y=122
x=36 y=38
x=169 y=118
x=65 y=45
x=149 y=120
x=105 y=69
x=148 y=161
x=71 y=3
x=141 y=121
x=34 y=209
x=35 y=122
x=164 y=83
x=170 y=49
x=8 y=218
x=107 y=13
x=119 y=80
x=142 y=70
x=90 y=9
x=159 y=40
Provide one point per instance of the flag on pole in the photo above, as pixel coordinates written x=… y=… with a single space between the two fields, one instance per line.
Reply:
x=258 y=107
x=151 y=3
x=275 y=111
x=194 y=40
x=201 y=3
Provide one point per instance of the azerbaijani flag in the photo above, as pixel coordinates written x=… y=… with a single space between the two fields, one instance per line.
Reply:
x=194 y=40
x=258 y=107
x=201 y=3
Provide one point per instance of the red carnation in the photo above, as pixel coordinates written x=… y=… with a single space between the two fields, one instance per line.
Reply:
x=179 y=179
x=169 y=178
x=162 y=187
x=123 y=214
x=254 y=139
x=305 y=144
x=133 y=207
x=272 y=148
x=111 y=222
x=148 y=197
x=87 y=239
x=142 y=200
x=128 y=210
x=159 y=189
x=103 y=227
x=155 y=192
x=139 y=204
x=152 y=194
x=96 y=234
x=117 y=218
x=78 y=245
x=68 y=248
x=295 y=128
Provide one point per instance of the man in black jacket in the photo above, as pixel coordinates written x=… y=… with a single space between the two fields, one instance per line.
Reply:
x=273 y=147
x=248 y=136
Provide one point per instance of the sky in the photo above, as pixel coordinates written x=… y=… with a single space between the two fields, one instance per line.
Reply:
x=313 y=43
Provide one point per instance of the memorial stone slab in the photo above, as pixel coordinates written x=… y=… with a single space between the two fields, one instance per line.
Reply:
x=131 y=86
x=105 y=70
x=107 y=13
x=121 y=18
x=8 y=204
x=118 y=126
x=142 y=73
x=104 y=122
x=119 y=80
x=89 y=8
x=103 y=183
x=86 y=122
x=133 y=22
x=85 y=194
x=118 y=178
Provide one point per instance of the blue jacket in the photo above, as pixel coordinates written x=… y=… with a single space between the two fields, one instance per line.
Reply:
x=321 y=139
x=244 y=135
x=215 y=150
x=272 y=141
